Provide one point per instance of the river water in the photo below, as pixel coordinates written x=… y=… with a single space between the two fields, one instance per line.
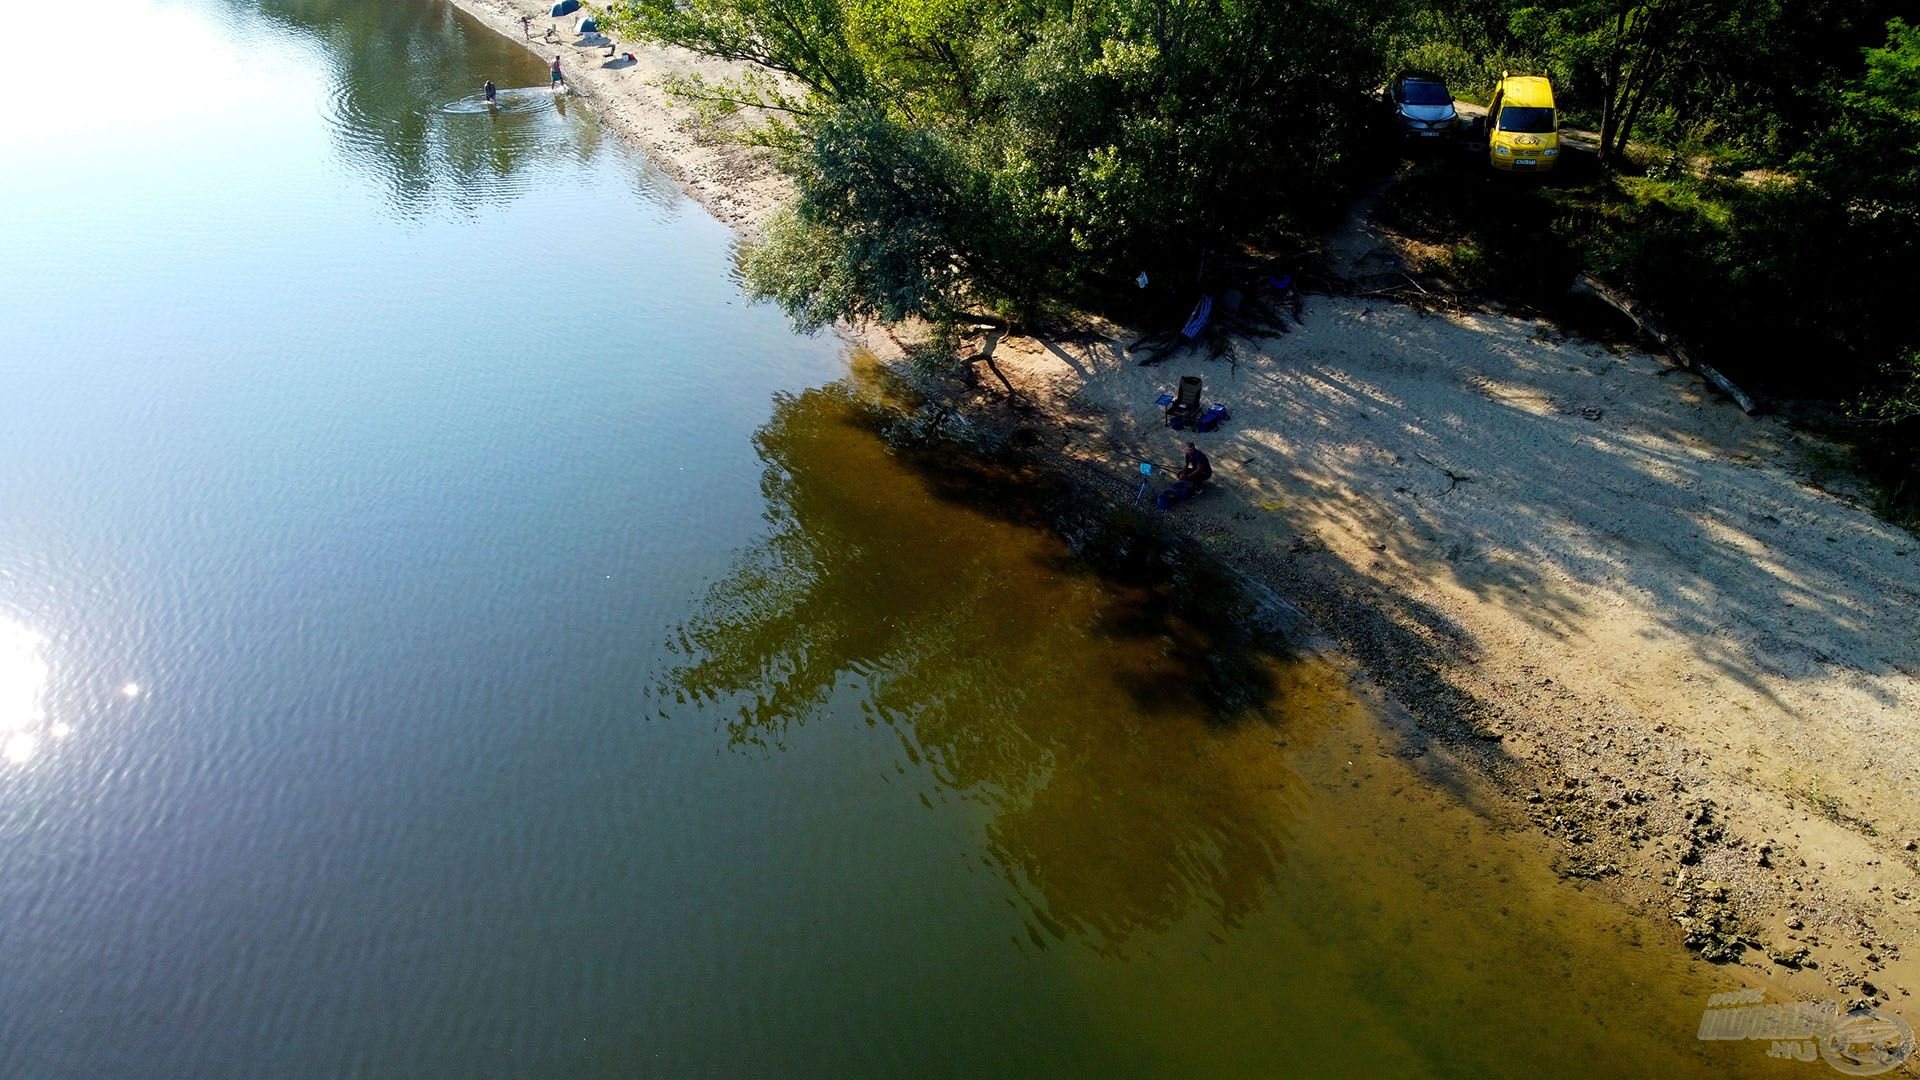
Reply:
x=446 y=631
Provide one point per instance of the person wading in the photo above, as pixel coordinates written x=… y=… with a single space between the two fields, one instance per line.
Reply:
x=559 y=84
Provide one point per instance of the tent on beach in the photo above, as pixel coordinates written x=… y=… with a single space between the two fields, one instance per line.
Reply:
x=565 y=7
x=587 y=26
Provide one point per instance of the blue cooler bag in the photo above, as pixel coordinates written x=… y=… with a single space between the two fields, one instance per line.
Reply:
x=1180 y=491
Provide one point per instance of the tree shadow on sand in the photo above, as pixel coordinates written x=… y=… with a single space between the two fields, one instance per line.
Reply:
x=1544 y=476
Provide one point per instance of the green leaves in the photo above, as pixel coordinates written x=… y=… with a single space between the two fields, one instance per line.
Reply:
x=1869 y=158
x=804 y=40
x=1892 y=79
x=957 y=157
x=882 y=228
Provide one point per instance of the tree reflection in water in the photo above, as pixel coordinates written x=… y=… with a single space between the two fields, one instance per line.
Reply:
x=1089 y=710
x=404 y=101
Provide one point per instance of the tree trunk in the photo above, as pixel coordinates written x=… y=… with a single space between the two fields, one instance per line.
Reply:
x=1012 y=394
x=1610 y=88
x=986 y=355
x=1627 y=122
x=1645 y=322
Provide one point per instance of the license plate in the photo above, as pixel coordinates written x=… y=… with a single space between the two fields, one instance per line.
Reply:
x=1523 y=161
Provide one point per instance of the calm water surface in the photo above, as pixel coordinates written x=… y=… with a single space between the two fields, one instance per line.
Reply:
x=445 y=631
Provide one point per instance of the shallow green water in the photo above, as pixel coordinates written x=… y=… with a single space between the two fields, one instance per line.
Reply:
x=443 y=634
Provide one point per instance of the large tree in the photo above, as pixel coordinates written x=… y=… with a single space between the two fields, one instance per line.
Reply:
x=1638 y=54
x=958 y=158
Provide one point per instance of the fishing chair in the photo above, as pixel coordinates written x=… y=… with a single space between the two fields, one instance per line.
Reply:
x=1184 y=410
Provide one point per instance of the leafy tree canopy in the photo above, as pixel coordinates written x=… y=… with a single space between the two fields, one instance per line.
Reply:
x=963 y=158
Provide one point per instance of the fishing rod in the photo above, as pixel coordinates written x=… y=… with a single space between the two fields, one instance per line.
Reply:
x=1146 y=477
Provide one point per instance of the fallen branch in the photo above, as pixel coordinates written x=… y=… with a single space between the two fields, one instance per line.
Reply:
x=986 y=355
x=1012 y=394
x=1592 y=286
x=1160 y=347
x=1454 y=479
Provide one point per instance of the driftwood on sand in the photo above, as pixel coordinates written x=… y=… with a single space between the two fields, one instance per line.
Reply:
x=994 y=336
x=1420 y=298
x=1589 y=285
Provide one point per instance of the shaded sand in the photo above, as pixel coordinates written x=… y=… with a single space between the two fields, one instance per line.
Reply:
x=1628 y=592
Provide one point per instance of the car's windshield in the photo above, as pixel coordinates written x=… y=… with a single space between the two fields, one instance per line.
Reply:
x=1421 y=92
x=1526 y=119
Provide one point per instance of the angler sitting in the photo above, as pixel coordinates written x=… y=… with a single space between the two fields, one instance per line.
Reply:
x=1196 y=469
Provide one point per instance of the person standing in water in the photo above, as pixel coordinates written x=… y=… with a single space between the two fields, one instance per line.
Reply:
x=559 y=84
x=489 y=91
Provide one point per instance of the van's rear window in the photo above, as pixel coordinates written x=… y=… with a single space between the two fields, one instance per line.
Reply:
x=1525 y=119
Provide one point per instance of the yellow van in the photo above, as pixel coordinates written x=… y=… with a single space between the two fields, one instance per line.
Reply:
x=1523 y=127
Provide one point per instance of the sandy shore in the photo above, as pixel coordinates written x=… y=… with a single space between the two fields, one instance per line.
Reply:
x=736 y=184
x=1692 y=665
x=1683 y=657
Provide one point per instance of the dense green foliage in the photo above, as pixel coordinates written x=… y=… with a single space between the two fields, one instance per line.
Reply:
x=1800 y=281
x=1752 y=79
x=964 y=156
x=1778 y=220
x=969 y=159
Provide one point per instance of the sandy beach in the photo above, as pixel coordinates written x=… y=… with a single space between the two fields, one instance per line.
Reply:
x=735 y=184
x=1680 y=647
x=1687 y=654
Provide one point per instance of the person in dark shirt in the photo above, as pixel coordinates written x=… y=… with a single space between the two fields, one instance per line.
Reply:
x=489 y=91
x=1196 y=469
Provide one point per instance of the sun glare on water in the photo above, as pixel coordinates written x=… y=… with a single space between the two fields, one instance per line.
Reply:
x=20 y=748
x=23 y=687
